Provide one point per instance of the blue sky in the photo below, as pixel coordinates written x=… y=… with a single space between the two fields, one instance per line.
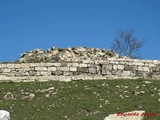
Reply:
x=31 y=24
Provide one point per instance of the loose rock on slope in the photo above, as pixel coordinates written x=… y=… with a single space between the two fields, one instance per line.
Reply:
x=67 y=54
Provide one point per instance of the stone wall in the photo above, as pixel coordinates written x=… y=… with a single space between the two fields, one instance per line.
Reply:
x=86 y=70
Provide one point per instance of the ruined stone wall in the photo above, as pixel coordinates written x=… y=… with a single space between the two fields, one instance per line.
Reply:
x=86 y=70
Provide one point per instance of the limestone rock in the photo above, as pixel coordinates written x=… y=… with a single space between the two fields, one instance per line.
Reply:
x=83 y=69
x=67 y=54
x=31 y=96
x=4 y=115
x=134 y=115
x=9 y=95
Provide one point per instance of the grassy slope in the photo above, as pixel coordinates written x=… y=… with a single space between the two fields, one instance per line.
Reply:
x=79 y=100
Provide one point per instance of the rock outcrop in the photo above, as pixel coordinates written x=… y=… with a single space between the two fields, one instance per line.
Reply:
x=67 y=54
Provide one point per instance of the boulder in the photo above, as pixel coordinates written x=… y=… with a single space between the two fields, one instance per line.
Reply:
x=4 y=115
x=134 y=115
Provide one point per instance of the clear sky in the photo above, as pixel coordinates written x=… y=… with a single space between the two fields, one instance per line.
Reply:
x=30 y=24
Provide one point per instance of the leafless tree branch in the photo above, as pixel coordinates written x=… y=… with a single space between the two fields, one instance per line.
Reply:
x=126 y=44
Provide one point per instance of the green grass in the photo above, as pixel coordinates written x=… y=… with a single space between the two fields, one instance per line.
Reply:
x=79 y=100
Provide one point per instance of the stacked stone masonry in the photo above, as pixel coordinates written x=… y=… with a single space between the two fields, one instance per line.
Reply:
x=84 y=70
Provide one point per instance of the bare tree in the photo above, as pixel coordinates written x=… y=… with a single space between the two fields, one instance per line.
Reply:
x=126 y=44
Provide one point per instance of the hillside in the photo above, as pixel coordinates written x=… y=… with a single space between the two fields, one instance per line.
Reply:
x=79 y=100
